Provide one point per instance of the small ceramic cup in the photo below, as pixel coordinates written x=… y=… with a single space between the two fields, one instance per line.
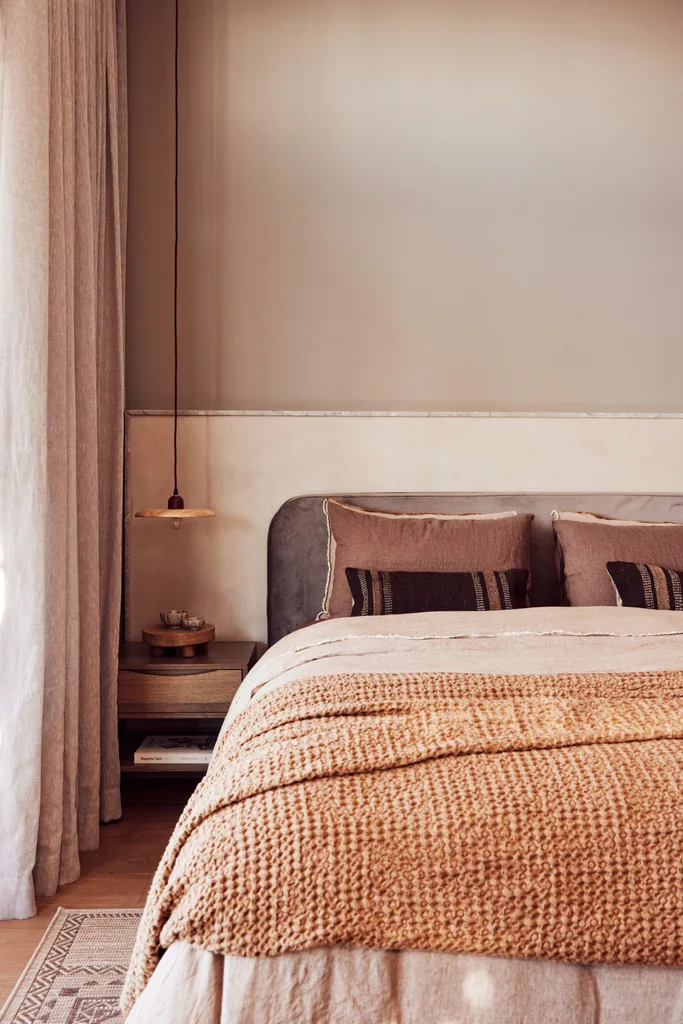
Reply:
x=173 y=618
x=192 y=621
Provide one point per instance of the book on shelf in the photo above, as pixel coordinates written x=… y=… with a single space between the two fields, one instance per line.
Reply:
x=175 y=750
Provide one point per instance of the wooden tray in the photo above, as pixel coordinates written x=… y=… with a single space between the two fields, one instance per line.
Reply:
x=182 y=643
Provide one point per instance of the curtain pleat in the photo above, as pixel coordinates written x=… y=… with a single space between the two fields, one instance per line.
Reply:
x=77 y=774
x=111 y=371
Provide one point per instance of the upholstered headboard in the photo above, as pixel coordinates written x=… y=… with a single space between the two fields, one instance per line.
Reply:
x=297 y=541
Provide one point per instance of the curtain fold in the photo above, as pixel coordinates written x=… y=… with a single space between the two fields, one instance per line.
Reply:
x=74 y=358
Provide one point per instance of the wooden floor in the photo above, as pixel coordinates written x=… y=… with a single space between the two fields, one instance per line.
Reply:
x=117 y=875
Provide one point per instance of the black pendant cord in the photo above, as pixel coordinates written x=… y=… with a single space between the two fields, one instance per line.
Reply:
x=175 y=270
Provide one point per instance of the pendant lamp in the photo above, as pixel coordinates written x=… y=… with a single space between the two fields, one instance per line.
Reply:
x=175 y=510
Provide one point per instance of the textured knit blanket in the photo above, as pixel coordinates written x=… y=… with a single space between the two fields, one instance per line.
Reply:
x=520 y=816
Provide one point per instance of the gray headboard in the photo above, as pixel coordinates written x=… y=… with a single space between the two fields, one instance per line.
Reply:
x=297 y=541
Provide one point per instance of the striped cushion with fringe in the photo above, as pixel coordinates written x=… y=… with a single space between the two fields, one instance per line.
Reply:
x=376 y=592
x=647 y=586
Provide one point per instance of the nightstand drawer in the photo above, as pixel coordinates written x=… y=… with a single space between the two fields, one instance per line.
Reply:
x=205 y=694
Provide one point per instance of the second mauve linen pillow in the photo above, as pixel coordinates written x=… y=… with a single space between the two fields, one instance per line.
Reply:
x=586 y=544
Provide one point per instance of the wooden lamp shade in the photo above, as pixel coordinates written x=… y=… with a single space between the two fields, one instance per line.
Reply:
x=176 y=511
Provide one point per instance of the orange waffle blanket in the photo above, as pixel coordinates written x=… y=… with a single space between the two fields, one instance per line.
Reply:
x=519 y=816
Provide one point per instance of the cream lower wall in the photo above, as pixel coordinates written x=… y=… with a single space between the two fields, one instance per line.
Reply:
x=245 y=466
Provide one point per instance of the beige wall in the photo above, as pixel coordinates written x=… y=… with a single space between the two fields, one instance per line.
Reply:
x=436 y=204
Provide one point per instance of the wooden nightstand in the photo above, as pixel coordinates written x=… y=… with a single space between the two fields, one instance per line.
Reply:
x=176 y=695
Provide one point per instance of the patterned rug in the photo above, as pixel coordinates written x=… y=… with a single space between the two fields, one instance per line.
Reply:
x=76 y=974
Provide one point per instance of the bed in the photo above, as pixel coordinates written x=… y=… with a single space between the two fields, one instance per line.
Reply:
x=242 y=945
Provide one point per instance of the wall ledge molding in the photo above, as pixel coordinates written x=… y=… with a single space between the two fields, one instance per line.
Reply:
x=359 y=414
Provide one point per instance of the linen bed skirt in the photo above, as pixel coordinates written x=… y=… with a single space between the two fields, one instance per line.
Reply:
x=336 y=985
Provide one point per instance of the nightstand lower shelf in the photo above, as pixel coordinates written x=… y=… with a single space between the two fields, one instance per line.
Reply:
x=162 y=769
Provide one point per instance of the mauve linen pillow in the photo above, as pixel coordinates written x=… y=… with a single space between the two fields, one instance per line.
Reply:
x=585 y=543
x=417 y=542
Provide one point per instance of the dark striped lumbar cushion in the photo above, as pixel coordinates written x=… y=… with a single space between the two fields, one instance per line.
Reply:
x=376 y=592
x=647 y=586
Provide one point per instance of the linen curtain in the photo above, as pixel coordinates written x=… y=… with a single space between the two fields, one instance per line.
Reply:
x=63 y=199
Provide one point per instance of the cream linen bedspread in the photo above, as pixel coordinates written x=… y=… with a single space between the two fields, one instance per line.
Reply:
x=343 y=985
